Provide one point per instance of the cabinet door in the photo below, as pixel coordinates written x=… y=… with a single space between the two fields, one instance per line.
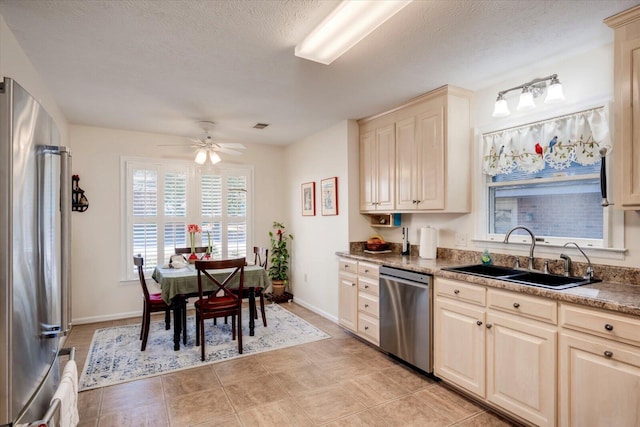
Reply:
x=599 y=382
x=521 y=367
x=386 y=168
x=368 y=159
x=406 y=172
x=459 y=344
x=430 y=156
x=630 y=132
x=348 y=297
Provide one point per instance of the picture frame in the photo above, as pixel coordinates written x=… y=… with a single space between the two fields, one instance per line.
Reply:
x=308 y=198
x=329 y=196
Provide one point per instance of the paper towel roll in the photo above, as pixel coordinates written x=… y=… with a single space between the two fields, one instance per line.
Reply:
x=428 y=242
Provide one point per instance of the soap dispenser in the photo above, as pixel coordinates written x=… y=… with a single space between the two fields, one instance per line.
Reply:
x=406 y=246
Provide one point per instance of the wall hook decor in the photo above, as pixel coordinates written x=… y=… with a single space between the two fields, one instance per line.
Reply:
x=79 y=201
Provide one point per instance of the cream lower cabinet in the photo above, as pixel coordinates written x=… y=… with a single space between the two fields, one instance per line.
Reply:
x=599 y=368
x=500 y=350
x=358 y=308
x=348 y=294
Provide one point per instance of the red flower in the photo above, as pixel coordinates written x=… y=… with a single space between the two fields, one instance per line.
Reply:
x=279 y=231
x=538 y=149
x=193 y=228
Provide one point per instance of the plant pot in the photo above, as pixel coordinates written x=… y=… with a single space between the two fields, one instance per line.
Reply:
x=278 y=287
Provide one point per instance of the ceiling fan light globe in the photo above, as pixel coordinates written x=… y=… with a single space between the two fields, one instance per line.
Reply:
x=213 y=156
x=201 y=156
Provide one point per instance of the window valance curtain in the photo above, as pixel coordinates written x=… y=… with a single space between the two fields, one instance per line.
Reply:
x=555 y=143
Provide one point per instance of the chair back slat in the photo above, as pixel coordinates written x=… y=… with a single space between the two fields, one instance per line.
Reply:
x=138 y=261
x=204 y=267
x=260 y=256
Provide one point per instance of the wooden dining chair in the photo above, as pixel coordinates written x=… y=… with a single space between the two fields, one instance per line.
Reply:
x=199 y=250
x=222 y=302
x=261 y=258
x=153 y=303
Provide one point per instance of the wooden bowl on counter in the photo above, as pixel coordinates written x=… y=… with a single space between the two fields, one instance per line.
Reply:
x=377 y=246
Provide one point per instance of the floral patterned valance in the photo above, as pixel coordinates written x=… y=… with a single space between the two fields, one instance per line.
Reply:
x=554 y=143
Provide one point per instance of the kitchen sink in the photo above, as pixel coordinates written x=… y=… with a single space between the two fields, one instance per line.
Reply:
x=523 y=277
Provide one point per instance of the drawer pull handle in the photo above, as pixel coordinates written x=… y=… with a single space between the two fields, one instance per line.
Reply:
x=366 y=306
x=346 y=266
x=608 y=327
x=366 y=286
x=366 y=328
x=608 y=353
x=489 y=325
x=456 y=291
x=516 y=305
x=366 y=271
x=479 y=323
x=353 y=284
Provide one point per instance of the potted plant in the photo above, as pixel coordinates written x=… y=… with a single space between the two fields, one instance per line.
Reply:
x=279 y=270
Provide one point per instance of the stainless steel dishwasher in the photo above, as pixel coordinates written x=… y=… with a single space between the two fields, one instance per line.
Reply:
x=406 y=316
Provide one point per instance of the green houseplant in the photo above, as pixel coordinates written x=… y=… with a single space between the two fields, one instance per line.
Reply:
x=279 y=270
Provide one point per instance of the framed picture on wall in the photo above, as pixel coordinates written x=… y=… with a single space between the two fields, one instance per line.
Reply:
x=329 y=196
x=309 y=199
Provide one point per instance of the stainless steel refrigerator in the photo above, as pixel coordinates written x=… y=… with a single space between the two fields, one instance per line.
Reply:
x=35 y=205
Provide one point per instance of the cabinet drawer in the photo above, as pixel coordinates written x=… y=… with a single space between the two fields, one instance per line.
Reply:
x=602 y=323
x=349 y=265
x=369 y=285
x=368 y=269
x=369 y=328
x=474 y=294
x=368 y=304
x=524 y=305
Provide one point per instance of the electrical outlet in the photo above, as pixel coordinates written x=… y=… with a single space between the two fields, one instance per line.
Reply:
x=461 y=239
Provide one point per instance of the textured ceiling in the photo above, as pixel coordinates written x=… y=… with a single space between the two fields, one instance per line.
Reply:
x=161 y=66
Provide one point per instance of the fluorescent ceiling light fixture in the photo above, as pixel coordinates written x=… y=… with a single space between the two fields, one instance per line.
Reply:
x=350 y=22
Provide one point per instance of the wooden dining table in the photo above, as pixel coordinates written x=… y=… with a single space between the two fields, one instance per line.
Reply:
x=179 y=284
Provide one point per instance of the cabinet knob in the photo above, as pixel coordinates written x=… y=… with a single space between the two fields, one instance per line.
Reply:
x=608 y=327
x=516 y=305
x=346 y=266
x=366 y=306
x=353 y=284
x=366 y=271
x=366 y=328
x=489 y=325
x=608 y=353
x=366 y=286
x=456 y=291
x=479 y=323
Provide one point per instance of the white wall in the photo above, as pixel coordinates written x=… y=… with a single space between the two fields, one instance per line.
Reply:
x=96 y=244
x=587 y=80
x=314 y=268
x=15 y=64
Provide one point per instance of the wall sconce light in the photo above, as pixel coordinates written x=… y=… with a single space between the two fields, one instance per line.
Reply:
x=530 y=90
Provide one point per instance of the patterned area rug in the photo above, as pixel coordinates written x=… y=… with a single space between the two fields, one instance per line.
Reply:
x=115 y=356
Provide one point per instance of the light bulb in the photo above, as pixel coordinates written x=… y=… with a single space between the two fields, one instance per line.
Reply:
x=554 y=93
x=213 y=156
x=526 y=101
x=201 y=156
x=501 y=109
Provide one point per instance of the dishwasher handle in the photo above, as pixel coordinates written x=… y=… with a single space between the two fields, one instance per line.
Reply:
x=404 y=281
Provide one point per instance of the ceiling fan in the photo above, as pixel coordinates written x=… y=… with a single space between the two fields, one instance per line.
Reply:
x=206 y=146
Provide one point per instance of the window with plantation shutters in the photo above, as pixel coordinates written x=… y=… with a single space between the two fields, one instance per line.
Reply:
x=164 y=197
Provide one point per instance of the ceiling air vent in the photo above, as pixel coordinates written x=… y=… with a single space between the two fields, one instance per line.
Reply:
x=261 y=125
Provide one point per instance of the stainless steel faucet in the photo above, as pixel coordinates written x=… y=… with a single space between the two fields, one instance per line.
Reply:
x=533 y=242
x=589 y=273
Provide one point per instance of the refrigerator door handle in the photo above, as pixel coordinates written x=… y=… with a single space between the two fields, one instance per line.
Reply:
x=65 y=209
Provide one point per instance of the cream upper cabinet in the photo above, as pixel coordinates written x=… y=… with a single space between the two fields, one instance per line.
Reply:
x=627 y=107
x=432 y=142
x=377 y=168
x=599 y=368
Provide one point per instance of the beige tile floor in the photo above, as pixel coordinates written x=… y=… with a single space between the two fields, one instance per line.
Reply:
x=335 y=382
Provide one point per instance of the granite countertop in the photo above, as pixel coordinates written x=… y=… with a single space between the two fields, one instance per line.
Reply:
x=619 y=297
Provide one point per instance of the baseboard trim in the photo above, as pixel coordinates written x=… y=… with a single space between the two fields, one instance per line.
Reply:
x=106 y=318
x=315 y=309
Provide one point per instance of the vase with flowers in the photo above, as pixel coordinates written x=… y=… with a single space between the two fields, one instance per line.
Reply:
x=192 y=229
x=279 y=270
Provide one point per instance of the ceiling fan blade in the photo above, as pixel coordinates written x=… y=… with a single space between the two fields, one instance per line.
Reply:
x=171 y=145
x=235 y=145
x=228 y=151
